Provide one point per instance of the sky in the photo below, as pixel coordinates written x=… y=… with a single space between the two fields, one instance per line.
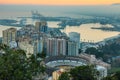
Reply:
x=60 y=2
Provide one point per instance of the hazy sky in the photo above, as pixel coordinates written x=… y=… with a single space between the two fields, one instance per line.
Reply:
x=60 y=2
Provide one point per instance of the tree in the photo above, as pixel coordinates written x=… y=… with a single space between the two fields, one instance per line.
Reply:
x=114 y=76
x=80 y=50
x=42 y=55
x=110 y=78
x=109 y=50
x=83 y=73
x=15 y=65
x=91 y=50
x=117 y=74
x=94 y=51
x=64 y=76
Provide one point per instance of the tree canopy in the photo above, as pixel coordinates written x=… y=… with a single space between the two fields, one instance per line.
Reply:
x=83 y=73
x=64 y=76
x=14 y=65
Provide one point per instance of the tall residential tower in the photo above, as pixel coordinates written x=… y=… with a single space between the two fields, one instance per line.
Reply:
x=56 y=46
x=41 y=26
x=9 y=35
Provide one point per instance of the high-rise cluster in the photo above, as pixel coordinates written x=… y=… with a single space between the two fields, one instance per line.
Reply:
x=38 y=38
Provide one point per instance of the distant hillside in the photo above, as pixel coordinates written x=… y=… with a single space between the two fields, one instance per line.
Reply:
x=116 y=4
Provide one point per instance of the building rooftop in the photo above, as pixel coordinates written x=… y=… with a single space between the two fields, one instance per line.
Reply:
x=11 y=30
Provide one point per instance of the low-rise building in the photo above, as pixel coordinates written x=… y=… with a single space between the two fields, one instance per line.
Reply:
x=102 y=72
x=56 y=74
x=26 y=46
x=31 y=46
x=92 y=60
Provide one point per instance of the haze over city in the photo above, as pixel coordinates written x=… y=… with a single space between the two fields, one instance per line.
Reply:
x=60 y=39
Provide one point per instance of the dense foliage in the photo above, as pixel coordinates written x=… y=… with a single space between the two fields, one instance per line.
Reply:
x=14 y=65
x=84 y=73
x=115 y=76
x=87 y=73
x=111 y=49
x=94 y=51
x=106 y=52
x=64 y=76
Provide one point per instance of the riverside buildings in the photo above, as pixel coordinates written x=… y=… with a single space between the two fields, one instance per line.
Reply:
x=35 y=39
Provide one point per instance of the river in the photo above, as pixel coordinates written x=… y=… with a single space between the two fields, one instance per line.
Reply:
x=91 y=35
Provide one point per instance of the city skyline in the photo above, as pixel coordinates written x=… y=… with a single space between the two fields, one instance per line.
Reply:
x=59 y=2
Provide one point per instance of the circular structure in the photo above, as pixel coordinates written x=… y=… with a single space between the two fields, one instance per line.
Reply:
x=68 y=62
x=53 y=62
x=65 y=62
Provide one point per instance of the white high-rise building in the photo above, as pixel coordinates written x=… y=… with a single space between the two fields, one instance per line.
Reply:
x=74 y=36
x=38 y=46
x=72 y=48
